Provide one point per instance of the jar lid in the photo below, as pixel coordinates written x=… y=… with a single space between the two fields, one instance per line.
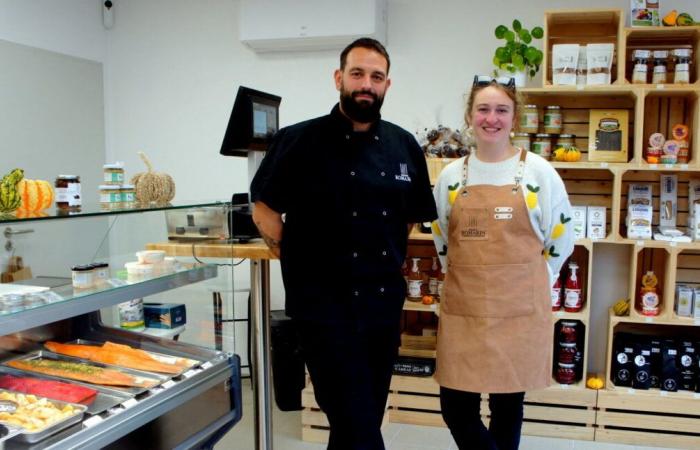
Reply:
x=552 y=107
x=567 y=344
x=530 y=106
x=642 y=54
x=521 y=135
x=569 y=323
x=567 y=366
x=81 y=268
x=681 y=52
x=108 y=187
x=116 y=165
x=128 y=186
x=660 y=54
x=573 y=265
x=543 y=135
x=68 y=177
x=567 y=136
x=98 y=265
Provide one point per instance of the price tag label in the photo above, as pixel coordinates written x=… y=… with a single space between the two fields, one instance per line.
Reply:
x=156 y=390
x=673 y=243
x=669 y=166
x=664 y=393
x=684 y=166
x=604 y=165
x=649 y=319
x=168 y=384
x=559 y=313
x=206 y=365
x=696 y=322
x=653 y=166
x=579 y=87
x=696 y=395
x=191 y=373
x=660 y=86
x=116 y=282
x=640 y=243
x=130 y=403
x=631 y=391
x=565 y=386
x=433 y=307
x=92 y=421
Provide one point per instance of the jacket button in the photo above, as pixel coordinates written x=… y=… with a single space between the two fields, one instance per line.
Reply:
x=384 y=253
x=352 y=173
x=354 y=213
x=354 y=254
x=357 y=293
x=376 y=138
x=381 y=289
x=347 y=136
x=383 y=174
x=383 y=213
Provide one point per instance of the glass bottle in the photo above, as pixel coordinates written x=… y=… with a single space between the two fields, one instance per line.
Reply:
x=641 y=69
x=660 y=75
x=441 y=281
x=572 y=297
x=415 y=282
x=682 y=70
x=433 y=278
x=556 y=295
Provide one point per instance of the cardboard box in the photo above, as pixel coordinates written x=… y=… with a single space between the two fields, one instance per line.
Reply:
x=578 y=221
x=164 y=315
x=684 y=300
x=608 y=135
x=668 y=207
x=695 y=306
x=638 y=221
x=596 y=222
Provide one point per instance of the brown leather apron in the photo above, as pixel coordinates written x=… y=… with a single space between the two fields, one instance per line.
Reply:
x=495 y=331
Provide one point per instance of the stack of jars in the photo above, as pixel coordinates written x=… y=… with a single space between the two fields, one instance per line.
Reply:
x=529 y=136
x=569 y=352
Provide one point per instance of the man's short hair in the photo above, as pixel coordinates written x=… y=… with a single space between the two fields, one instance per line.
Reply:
x=368 y=43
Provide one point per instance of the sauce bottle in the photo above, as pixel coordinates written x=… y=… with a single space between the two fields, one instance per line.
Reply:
x=572 y=292
x=433 y=278
x=556 y=295
x=415 y=281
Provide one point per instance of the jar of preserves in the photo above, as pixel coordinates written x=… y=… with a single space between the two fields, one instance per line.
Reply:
x=552 y=120
x=566 y=140
x=566 y=374
x=660 y=75
x=640 y=69
x=68 y=195
x=530 y=119
x=113 y=173
x=100 y=273
x=568 y=332
x=521 y=140
x=128 y=193
x=542 y=145
x=110 y=197
x=567 y=352
x=83 y=277
x=682 y=70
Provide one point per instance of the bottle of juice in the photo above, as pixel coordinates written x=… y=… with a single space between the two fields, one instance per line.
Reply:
x=415 y=281
x=572 y=299
x=556 y=295
x=433 y=278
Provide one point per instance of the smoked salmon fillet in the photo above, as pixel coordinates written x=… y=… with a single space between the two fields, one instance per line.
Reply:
x=81 y=372
x=116 y=354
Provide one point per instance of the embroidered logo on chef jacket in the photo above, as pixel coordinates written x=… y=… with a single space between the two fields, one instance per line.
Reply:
x=403 y=167
x=475 y=226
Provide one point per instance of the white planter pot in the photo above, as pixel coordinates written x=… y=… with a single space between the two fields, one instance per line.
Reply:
x=520 y=77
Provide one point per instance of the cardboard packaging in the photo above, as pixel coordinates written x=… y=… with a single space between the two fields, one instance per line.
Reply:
x=596 y=222
x=668 y=208
x=578 y=221
x=684 y=300
x=164 y=315
x=695 y=304
x=608 y=135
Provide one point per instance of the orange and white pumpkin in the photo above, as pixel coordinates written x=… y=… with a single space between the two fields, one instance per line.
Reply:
x=36 y=194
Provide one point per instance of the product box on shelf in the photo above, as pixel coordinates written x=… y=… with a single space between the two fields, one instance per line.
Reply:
x=641 y=377
x=684 y=300
x=668 y=209
x=669 y=366
x=688 y=366
x=578 y=221
x=639 y=221
x=622 y=363
x=656 y=363
x=608 y=134
x=596 y=222
x=695 y=304
x=164 y=315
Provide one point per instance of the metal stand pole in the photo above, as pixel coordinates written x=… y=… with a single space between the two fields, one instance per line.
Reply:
x=259 y=321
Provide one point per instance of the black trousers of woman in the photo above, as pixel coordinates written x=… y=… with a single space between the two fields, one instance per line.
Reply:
x=461 y=411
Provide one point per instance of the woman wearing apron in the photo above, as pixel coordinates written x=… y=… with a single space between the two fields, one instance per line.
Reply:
x=503 y=233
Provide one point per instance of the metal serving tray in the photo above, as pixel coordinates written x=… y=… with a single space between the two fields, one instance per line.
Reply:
x=10 y=432
x=105 y=399
x=154 y=378
x=32 y=437
x=162 y=357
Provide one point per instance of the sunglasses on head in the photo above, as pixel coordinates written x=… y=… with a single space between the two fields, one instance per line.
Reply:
x=485 y=80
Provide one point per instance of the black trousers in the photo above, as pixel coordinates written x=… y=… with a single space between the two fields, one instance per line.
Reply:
x=461 y=411
x=350 y=367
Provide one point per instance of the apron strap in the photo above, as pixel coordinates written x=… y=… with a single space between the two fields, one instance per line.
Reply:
x=519 y=172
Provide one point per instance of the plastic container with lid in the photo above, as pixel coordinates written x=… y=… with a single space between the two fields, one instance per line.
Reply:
x=101 y=273
x=83 y=277
x=542 y=145
x=110 y=196
x=128 y=192
x=552 y=119
x=113 y=173
x=521 y=140
x=660 y=75
x=68 y=192
x=640 y=69
x=682 y=71
x=529 y=119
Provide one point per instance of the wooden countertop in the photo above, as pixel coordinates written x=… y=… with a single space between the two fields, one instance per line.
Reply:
x=257 y=249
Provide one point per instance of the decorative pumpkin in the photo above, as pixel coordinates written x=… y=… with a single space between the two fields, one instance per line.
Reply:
x=9 y=197
x=595 y=383
x=26 y=214
x=36 y=194
x=153 y=187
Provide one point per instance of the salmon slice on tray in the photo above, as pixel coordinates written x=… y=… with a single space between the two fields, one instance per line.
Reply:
x=118 y=355
x=81 y=372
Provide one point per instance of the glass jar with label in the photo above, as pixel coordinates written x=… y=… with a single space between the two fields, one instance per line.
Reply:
x=682 y=70
x=552 y=120
x=521 y=140
x=68 y=195
x=566 y=140
x=529 y=119
x=100 y=273
x=660 y=75
x=566 y=374
x=110 y=197
x=83 y=277
x=567 y=352
x=113 y=173
x=568 y=332
x=640 y=69
x=542 y=145
x=128 y=192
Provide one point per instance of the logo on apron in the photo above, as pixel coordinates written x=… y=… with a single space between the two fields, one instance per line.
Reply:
x=475 y=226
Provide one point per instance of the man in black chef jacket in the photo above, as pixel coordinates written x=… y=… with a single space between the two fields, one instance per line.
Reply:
x=335 y=196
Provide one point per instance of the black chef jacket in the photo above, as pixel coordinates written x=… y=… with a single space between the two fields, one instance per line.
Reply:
x=348 y=197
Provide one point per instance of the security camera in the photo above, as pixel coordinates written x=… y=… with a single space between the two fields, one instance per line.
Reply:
x=108 y=14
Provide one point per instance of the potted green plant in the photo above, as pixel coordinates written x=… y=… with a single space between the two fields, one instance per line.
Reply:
x=517 y=57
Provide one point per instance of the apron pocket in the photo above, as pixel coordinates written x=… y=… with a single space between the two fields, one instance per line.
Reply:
x=501 y=290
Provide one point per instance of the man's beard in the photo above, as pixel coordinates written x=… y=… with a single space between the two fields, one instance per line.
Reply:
x=361 y=111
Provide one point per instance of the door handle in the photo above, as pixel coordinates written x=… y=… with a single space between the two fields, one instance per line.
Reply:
x=9 y=232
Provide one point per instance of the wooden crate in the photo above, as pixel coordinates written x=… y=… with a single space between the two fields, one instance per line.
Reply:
x=648 y=418
x=665 y=108
x=555 y=412
x=435 y=166
x=661 y=38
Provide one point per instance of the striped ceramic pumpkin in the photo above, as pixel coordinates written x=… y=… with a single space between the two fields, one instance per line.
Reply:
x=36 y=194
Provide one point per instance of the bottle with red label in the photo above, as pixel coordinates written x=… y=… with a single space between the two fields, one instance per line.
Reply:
x=573 y=302
x=433 y=278
x=415 y=282
x=556 y=295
